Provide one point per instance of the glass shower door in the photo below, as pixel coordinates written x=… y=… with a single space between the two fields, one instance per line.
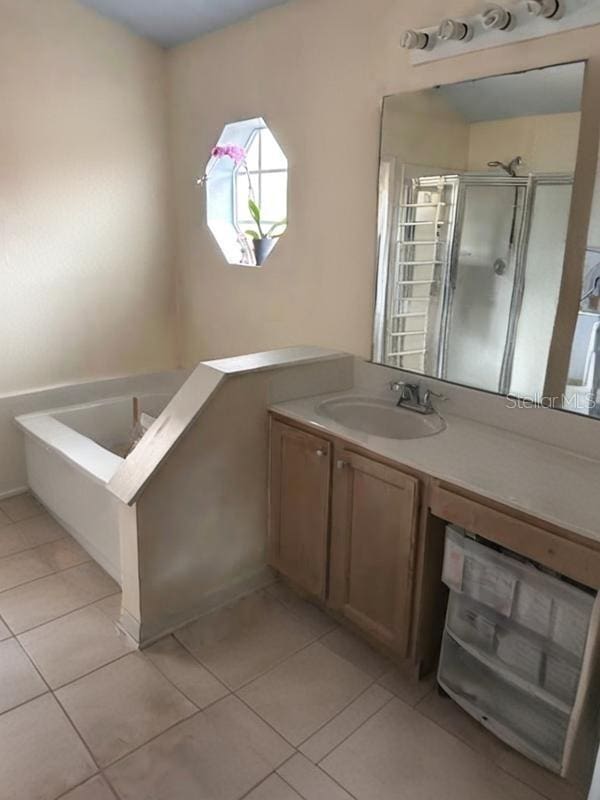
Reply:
x=481 y=281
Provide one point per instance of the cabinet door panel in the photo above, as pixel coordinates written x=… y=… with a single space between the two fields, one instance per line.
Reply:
x=299 y=506
x=374 y=528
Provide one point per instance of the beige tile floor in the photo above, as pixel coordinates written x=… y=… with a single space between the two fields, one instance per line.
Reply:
x=267 y=699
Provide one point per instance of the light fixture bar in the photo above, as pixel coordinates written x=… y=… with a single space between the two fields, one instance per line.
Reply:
x=499 y=24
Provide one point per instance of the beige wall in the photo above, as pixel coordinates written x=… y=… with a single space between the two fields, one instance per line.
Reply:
x=85 y=240
x=421 y=129
x=547 y=143
x=316 y=70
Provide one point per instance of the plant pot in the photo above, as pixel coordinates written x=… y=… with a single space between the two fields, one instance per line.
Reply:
x=262 y=248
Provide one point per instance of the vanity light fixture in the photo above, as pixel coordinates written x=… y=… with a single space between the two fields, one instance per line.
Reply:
x=548 y=9
x=417 y=40
x=495 y=17
x=496 y=23
x=455 y=30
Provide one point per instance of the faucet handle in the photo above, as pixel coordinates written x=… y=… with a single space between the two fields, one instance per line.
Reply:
x=397 y=386
x=429 y=393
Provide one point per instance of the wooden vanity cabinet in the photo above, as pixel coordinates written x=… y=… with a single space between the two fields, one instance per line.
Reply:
x=343 y=528
x=373 y=533
x=299 y=496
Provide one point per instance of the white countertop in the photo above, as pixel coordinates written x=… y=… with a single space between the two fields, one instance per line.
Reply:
x=555 y=485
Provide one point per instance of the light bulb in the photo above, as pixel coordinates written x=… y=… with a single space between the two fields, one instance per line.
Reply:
x=496 y=17
x=415 y=40
x=455 y=30
x=548 y=9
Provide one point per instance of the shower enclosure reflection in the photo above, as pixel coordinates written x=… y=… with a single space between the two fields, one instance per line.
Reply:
x=475 y=193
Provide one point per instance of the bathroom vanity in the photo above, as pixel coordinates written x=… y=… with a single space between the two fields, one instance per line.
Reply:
x=357 y=521
x=358 y=524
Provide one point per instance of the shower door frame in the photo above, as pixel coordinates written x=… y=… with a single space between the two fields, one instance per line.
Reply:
x=447 y=284
x=529 y=183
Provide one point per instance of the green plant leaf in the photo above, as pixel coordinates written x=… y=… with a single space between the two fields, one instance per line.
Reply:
x=253 y=234
x=254 y=211
x=274 y=227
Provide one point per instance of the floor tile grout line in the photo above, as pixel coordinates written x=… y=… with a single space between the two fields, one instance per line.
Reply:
x=79 y=785
x=77 y=731
x=102 y=768
x=28 y=549
x=170 y=727
x=233 y=693
x=335 y=780
x=258 y=714
x=25 y=702
x=40 y=673
x=255 y=677
x=256 y=785
x=179 y=689
x=375 y=681
x=62 y=616
x=197 y=709
x=65 y=535
x=110 y=785
x=140 y=746
x=266 y=778
x=337 y=714
x=57 y=572
x=287 y=783
x=266 y=722
x=37 y=670
x=41 y=577
x=263 y=591
x=320 y=769
x=356 y=730
x=477 y=750
x=60 y=705
x=91 y=672
x=39 y=513
x=297 y=616
x=535 y=789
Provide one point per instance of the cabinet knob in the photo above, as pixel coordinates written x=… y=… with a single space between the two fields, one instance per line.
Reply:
x=341 y=464
x=320 y=452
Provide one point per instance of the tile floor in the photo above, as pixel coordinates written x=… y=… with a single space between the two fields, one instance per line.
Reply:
x=267 y=699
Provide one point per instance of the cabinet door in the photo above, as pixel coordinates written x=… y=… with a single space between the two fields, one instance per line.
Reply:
x=300 y=468
x=374 y=524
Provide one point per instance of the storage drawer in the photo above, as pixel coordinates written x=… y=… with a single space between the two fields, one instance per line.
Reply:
x=569 y=557
x=522 y=720
x=534 y=600
x=531 y=661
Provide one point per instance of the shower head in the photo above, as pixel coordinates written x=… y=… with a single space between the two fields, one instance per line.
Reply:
x=498 y=165
x=510 y=168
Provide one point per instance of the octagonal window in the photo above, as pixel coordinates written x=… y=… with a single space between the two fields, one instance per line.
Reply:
x=246 y=192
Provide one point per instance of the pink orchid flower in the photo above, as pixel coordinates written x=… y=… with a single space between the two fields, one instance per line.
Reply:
x=232 y=151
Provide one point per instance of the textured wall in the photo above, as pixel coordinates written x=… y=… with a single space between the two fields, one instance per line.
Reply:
x=316 y=71
x=85 y=237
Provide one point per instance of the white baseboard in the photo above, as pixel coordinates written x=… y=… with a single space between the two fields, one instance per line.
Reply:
x=13 y=492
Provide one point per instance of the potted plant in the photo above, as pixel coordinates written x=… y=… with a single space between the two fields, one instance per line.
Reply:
x=262 y=242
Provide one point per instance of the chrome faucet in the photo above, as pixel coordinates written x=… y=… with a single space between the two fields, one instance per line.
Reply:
x=410 y=397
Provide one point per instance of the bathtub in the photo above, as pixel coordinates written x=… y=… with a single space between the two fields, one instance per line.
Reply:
x=71 y=454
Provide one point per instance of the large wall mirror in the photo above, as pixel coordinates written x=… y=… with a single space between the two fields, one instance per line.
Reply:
x=475 y=192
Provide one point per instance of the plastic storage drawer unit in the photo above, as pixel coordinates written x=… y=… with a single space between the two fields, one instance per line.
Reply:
x=513 y=647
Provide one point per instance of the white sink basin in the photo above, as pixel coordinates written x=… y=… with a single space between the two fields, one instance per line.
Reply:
x=380 y=417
